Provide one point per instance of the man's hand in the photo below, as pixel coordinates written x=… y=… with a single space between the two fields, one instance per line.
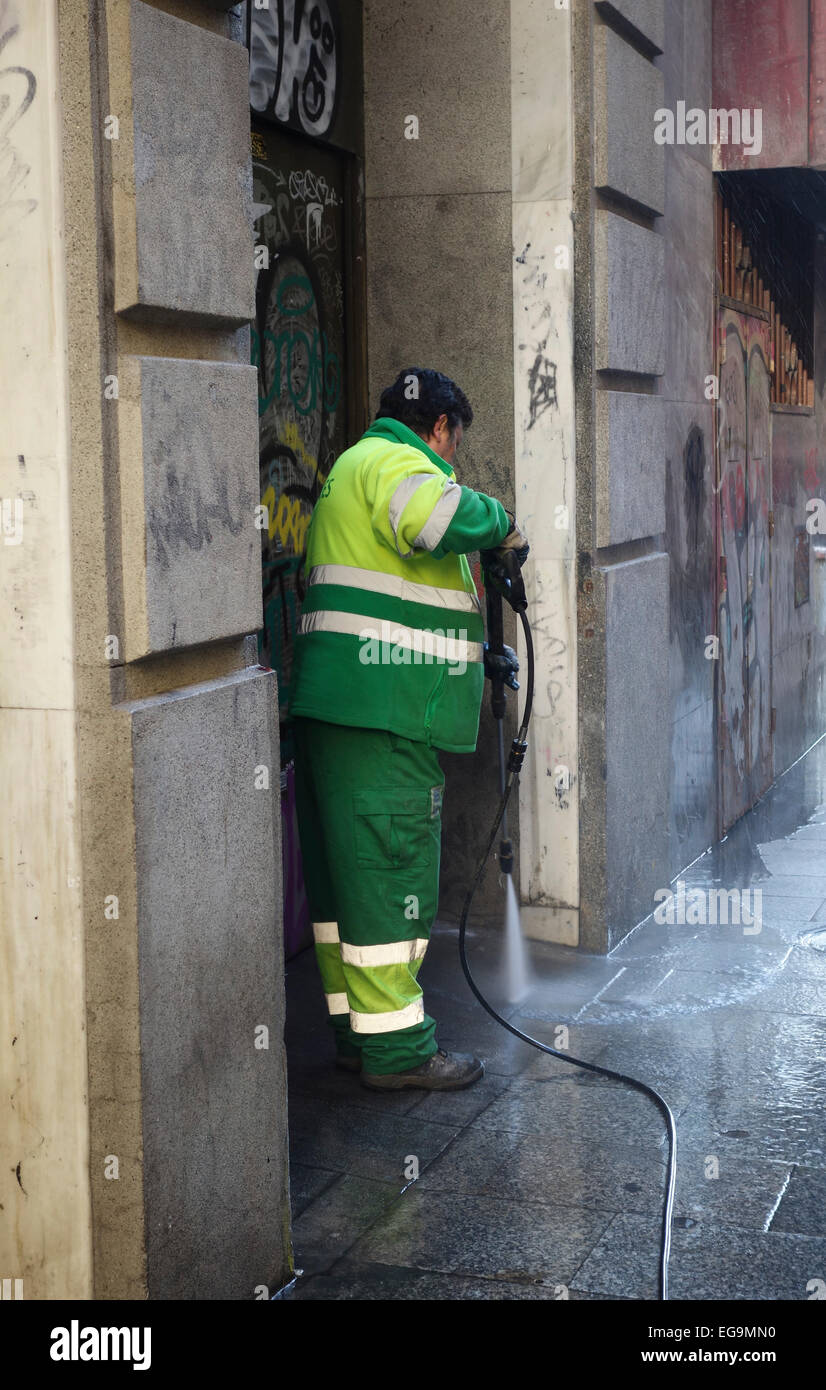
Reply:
x=502 y=666
x=517 y=541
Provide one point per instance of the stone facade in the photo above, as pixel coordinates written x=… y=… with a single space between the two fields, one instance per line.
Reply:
x=144 y=734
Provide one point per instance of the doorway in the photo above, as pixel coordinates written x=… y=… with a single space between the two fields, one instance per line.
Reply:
x=308 y=338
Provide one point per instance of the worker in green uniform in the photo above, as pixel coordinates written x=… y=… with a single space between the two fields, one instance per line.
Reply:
x=389 y=666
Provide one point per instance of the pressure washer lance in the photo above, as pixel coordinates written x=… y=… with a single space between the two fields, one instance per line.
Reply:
x=503 y=580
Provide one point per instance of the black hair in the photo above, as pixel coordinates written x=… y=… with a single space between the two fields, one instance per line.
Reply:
x=419 y=396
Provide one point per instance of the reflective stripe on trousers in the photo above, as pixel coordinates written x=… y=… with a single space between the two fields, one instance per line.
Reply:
x=388 y=1022
x=375 y=974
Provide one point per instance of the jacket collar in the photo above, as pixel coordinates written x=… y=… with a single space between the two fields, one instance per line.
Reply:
x=386 y=428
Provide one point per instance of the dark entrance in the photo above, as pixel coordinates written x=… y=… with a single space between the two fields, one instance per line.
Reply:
x=299 y=346
x=308 y=339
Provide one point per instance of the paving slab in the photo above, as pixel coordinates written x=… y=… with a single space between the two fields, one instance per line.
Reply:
x=566 y=1170
x=476 y=1235
x=580 y=1040
x=336 y=1219
x=806 y=962
x=803 y=861
x=692 y=1054
x=652 y=939
x=306 y=1184
x=561 y=986
x=783 y=912
x=679 y=992
x=388 y=1283
x=796 y=890
x=736 y=1189
x=729 y=948
x=470 y=1161
x=802 y=1207
x=637 y=982
x=600 y=1112
x=365 y=1144
x=722 y=1265
x=789 y=1130
x=790 y=994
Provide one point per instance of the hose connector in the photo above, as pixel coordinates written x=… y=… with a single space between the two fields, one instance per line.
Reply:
x=506 y=856
x=517 y=755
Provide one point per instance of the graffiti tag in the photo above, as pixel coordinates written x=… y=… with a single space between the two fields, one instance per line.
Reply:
x=303 y=363
x=17 y=89
x=184 y=517
x=294 y=63
x=542 y=387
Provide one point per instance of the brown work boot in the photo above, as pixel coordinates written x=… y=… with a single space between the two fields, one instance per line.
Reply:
x=444 y=1071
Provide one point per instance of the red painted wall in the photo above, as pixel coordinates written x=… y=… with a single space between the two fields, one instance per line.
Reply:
x=817 y=84
x=760 y=59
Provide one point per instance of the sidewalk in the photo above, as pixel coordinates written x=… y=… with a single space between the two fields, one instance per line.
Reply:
x=541 y=1176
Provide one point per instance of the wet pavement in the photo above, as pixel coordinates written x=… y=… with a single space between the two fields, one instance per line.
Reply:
x=542 y=1181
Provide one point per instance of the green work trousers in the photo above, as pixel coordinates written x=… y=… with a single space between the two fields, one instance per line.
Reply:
x=369 y=818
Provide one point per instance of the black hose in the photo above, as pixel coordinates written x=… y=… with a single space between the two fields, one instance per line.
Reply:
x=663 y=1106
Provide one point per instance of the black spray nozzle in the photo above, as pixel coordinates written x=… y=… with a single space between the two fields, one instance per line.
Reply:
x=503 y=575
x=503 y=580
x=506 y=856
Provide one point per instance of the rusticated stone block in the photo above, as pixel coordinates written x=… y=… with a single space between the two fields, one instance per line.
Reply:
x=182 y=169
x=628 y=90
x=189 y=487
x=207 y=844
x=629 y=297
x=630 y=460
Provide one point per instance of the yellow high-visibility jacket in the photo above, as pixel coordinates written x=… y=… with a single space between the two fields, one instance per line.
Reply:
x=391 y=631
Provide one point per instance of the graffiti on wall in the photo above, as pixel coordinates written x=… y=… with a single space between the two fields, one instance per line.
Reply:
x=541 y=387
x=691 y=551
x=743 y=598
x=801 y=566
x=294 y=63
x=298 y=347
x=17 y=90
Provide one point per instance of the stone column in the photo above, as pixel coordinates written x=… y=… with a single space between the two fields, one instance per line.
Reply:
x=623 y=570
x=544 y=445
x=46 y=1220
x=172 y=850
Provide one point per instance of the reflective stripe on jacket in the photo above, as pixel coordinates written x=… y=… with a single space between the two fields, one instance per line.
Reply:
x=391 y=631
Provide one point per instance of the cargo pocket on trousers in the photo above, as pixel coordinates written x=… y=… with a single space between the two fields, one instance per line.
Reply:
x=395 y=828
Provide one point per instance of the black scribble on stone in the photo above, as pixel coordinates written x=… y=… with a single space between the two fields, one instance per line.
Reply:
x=542 y=387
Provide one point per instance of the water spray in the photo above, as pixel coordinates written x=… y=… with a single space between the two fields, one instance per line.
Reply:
x=504 y=583
x=503 y=580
